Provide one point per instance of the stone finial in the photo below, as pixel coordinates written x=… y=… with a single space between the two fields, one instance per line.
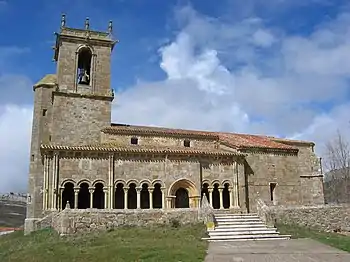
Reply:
x=110 y=27
x=87 y=23
x=67 y=205
x=63 y=20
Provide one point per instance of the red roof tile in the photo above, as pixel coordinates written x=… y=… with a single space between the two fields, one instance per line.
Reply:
x=238 y=141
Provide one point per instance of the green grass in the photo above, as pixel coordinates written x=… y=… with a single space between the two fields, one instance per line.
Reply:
x=332 y=239
x=123 y=244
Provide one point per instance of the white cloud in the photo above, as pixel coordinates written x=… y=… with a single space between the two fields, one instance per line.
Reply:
x=15 y=129
x=245 y=77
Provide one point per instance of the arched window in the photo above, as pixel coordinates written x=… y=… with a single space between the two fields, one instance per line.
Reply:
x=84 y=66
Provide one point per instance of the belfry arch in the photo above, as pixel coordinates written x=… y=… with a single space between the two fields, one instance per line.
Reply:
x=84 y=66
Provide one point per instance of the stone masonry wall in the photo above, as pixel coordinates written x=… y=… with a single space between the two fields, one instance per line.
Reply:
x=78 y=120
x=88 y=169
x=298 y=178
x=71 y=221
x=262 y=169
x=324 y=217
x=158 y=141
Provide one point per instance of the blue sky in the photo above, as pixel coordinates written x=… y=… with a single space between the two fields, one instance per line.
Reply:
x=278 y=67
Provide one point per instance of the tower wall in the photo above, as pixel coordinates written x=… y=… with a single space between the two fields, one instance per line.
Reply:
x=79 y=120
x=42 y=116
x=67 y=110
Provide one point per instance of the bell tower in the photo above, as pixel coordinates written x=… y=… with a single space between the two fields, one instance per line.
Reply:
x=82 y=100
x=83 y=59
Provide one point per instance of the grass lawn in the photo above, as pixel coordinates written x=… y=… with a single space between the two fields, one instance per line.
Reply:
x=332 y=239
x=123 y=244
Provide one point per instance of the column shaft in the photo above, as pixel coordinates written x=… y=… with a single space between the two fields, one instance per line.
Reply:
x=150 y=190
x=138 y=192
x=125 y=198
x=221 y=198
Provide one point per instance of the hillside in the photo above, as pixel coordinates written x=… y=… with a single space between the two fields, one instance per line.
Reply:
x=12 y=210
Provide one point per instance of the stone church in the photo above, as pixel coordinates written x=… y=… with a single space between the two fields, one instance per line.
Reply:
x=79 y=158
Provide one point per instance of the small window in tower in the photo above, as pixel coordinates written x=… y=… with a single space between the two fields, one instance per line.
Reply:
x=187 y=143
x=84 y=66
x=134 y=141
x=50 y=138
x=44 y=112
x=32 y=158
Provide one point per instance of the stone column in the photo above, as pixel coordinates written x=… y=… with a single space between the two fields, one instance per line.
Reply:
x=91 y=191
x=45 y=182
x=169 y=200
x=150 y=191
x=75 y=76
x=54 y=181
x=125 y=198
x=76 y=193
x=111 y=182
x=163 y=197
x=210 y=191
x=138 y=192
x=221 y=197
x=105 y=194
x=60 y=198
x=231 y=196
x=235 y=186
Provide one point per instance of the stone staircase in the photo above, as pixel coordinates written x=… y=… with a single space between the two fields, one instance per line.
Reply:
x=242 y=227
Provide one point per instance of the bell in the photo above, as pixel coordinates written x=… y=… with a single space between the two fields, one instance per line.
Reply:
x=84 y=79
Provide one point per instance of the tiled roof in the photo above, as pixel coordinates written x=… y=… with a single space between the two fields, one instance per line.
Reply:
x=150 y=130
x=49 y=79
x=244 y=141
x=291 y=141
x=234 y=140
x=111 y=147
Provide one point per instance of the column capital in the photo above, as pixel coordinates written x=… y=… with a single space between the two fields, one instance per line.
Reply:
x=91 y=190
x=151 y=189
x=76 y=189
x=138 y=189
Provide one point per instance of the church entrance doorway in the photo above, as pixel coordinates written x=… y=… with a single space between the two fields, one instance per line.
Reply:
x=182 y=199
x=183 y=194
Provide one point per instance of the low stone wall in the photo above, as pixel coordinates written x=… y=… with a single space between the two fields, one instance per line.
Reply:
x=72 y=221
x=329 y=218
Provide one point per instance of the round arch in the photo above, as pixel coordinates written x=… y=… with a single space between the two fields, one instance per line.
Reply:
x=215 y=182
x=157 y=181
x=82 y=47
x=98 y=181
x=183 y=183
x=84 y=181
x=145 y=181
x=132 y=181
x=119 y=181
x=226 y=182
x=68 y=181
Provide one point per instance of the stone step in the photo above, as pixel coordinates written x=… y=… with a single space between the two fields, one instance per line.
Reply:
x=240 y=229
x=249 y=236
x=227 y=227
x=233 y=223
x=237 y=233
x=237 y=219
x=254 y=238
x=236 y=215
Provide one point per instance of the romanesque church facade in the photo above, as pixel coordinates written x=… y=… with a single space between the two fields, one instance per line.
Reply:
x=78 y=157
